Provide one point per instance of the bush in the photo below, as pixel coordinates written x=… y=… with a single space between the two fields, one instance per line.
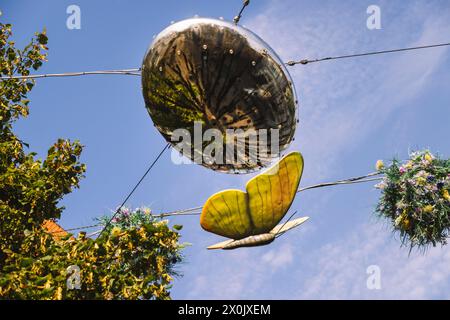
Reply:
x=133 y=261
x=415 y=198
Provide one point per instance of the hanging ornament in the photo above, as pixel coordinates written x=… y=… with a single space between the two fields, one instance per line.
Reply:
x=250 y=218
x=201 y=74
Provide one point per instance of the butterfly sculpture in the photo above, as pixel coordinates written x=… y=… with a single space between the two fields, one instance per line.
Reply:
x=250 y=218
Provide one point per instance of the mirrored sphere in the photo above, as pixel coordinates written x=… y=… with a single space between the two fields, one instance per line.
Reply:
x=201 y=74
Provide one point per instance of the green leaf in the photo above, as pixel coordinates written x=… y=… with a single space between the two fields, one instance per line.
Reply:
x=26 y=262
x=30 y=256
x=42 y=38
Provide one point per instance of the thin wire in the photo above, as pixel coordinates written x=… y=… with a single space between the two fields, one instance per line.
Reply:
x=361 y=179
x=284 y=224
x=135 y=187
x=93 y=233
x=239 y=16
x=78 y=228
x=175 y=213
x=184 y=211
x=136 y=71
x=132 y=72
x=306 y=61
x=197 y=210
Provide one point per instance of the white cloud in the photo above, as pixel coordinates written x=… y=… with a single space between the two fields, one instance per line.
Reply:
x=343 y=268
x=279 y=258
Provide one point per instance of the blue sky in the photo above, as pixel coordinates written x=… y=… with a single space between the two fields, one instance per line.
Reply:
x=352 y=112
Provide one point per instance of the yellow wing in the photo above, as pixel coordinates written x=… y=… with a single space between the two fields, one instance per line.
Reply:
x=236 y=214
x=226 y=213
x=271 y=193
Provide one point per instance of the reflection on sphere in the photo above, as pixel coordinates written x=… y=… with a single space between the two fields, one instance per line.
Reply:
x=224 y=77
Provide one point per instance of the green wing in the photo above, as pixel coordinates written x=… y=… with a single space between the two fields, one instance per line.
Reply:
x=236 y=214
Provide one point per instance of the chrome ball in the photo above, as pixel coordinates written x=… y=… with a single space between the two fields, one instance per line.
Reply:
x=224 y=77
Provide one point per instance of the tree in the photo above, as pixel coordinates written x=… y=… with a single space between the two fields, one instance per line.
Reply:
x=129 y=261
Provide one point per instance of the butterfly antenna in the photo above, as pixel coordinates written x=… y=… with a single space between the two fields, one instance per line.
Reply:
x=279 y=234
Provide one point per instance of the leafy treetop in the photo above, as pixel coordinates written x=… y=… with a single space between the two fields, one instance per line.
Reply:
x=132 y=262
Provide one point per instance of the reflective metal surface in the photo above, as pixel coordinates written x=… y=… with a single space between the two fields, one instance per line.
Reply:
x=223 y=76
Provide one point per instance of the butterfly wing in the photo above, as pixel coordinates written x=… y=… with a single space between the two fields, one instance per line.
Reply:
x=226 y=213
x=270 y=194
x=220 y=245
x=283 y=227
x=236 y=214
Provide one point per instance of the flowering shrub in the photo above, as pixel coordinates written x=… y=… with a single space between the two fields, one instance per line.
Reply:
x=415 y=198
x=127 y=218
x=128 y=263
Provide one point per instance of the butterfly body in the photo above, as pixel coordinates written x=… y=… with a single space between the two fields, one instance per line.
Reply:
x=259 y=239
x=251 y=241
